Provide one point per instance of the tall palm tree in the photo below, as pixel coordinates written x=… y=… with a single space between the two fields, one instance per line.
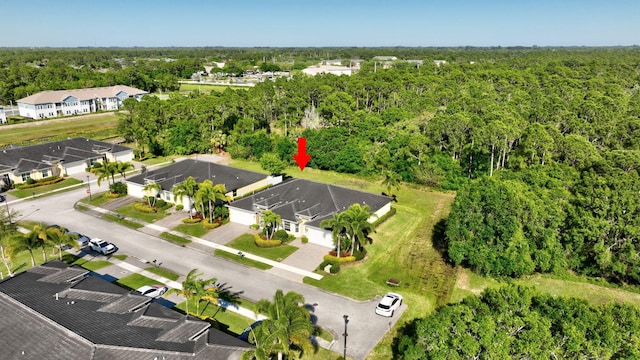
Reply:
x=391 y=182
x=358 y=225
x=151 y=190
x=288 y=325
x=106 y=171
x=59 y=238
x=7 y=229
x=188 y=288
x=210 y=194
x=123 y=167
x=270 y=221
x=338 y=224
x=26 y=242
x=188 y=188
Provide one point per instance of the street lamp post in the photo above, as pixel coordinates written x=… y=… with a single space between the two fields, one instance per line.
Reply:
x=89 y=187
x=346 y=321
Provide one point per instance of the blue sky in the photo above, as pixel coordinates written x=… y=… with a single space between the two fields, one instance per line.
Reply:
x=280 y=23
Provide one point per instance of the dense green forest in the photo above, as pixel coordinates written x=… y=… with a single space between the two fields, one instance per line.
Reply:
x=517 y=323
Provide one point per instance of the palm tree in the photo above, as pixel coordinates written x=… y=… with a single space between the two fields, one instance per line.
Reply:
x=106 y=171
x=391 y=181
x=287 y=328
x=59 y=238
x=187 y=188
x=210 y=193
x=270 y=221
x=7 y=229
x=29 y=242
x=358 y=225
x=338 y=224
x=188 y=289
x=151 y=190
x=123 y=167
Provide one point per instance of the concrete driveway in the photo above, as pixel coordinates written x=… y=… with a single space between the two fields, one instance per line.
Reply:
x=365 y=327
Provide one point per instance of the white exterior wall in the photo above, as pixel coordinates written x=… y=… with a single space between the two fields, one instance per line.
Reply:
x=3 y=115
x=378 y=214
x=27 y=110
x=123 y=156
x=135 y=190
x=319 y=236
x=241 y=216
x=75 y=167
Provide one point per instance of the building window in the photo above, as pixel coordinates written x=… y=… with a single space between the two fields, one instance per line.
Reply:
x=45 y=173
x=297 y=229
x=287 y=225
x=25 y=176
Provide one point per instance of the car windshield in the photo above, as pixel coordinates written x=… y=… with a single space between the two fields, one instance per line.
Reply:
x=383 y=306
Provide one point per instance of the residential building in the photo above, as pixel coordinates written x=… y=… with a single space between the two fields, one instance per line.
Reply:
x=55 y=311
x=238 y=182
x=3 y=115
x=384 y=58
x=303 y=204
x=48 y=104
x=58 y=158
x=327 y=69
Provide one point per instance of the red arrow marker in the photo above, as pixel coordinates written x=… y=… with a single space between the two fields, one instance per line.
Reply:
x=302 y=158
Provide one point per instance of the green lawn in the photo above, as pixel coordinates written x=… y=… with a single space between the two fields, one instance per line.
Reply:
x=130 y=211
x=134 y=281
x=165 y=273
x=242 y=260
x=25 y=193
x=120 y=257
x=92 y=126
x=196 y=230
x=246 y=243
x=97 y=199
x=175 y=238
x=206 y=88
x=92 y=265
x=127 y=223
x=228 y=321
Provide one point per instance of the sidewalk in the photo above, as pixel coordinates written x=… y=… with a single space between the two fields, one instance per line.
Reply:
x=157 y=229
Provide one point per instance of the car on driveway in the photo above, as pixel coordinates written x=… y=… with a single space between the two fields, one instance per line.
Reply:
x=389 y=304
x=153 y=291
x=2 y=198
x=101 y=246
x=81 y=240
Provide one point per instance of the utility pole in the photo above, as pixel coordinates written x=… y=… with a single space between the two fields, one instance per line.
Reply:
x=346 y=321
x=89 y=188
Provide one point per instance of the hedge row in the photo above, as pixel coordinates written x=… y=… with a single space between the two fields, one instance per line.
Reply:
x=384 y=217
x=191 y=221
x=339 y=260
x=209 y=225
x=42 y=182
x=260 y=242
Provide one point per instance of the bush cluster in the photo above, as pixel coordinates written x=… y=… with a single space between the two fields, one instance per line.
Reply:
x=254 y=226
x=260 y=242
x=281 y=235
x=359 y=255
x=209 y=225
x=304 y=239
x=31 y=183
x=118 y=188
x=143 y=207
x=340 y=260
x=334 y=269
x=191 y=221
x=179 y=207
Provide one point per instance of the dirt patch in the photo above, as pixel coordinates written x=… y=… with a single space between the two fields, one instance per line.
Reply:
x=463 y=283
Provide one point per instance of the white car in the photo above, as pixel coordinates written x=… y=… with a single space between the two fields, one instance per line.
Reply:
x=389 y=304
x=101 y=246
x=152 y=291
x=82 y=240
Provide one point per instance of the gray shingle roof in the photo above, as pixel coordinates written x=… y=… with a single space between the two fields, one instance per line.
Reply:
x=174 y=174
x=74 y=325
x=309 y=199
x=27 y=158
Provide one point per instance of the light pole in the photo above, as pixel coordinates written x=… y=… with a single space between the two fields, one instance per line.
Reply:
x=346 y=321
x=6 y=202
x=89 y=188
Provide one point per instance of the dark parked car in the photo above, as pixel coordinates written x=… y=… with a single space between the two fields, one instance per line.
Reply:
x=2 y=198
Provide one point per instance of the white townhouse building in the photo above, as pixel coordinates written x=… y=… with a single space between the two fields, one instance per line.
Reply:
x=3 y=115
x=48 y=104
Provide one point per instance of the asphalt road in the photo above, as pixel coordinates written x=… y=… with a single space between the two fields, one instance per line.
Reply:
x=365 y=328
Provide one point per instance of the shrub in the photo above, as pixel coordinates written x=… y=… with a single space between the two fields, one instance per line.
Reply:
x=341 y=260
x=191 y=221
x=254 y=226
x=160 y=203
x=179 y=207
x=111 y=196
x=281 y=235
x=118 y=188
x=304 y=239
x=143 y=207
x=291 y=237
x=359 y=255
x=209 y=225
x=30 y=181
x=335 y=268
x=384 y=217
x=96 y=165
x=260 y=242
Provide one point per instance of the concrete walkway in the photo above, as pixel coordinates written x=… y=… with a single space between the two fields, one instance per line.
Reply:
x=210 y=244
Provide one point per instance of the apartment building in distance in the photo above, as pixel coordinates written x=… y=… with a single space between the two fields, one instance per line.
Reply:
x=55 y=103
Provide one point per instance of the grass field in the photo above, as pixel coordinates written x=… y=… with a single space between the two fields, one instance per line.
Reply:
x=135 y=281
x=36 y=191
x=207 y=88
x=131 y=211
x=165 y=273
x=125 y=222
x=246 y=243
x=196 y=230
x=175 y=238
x=242 y=260
x=93 y=126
